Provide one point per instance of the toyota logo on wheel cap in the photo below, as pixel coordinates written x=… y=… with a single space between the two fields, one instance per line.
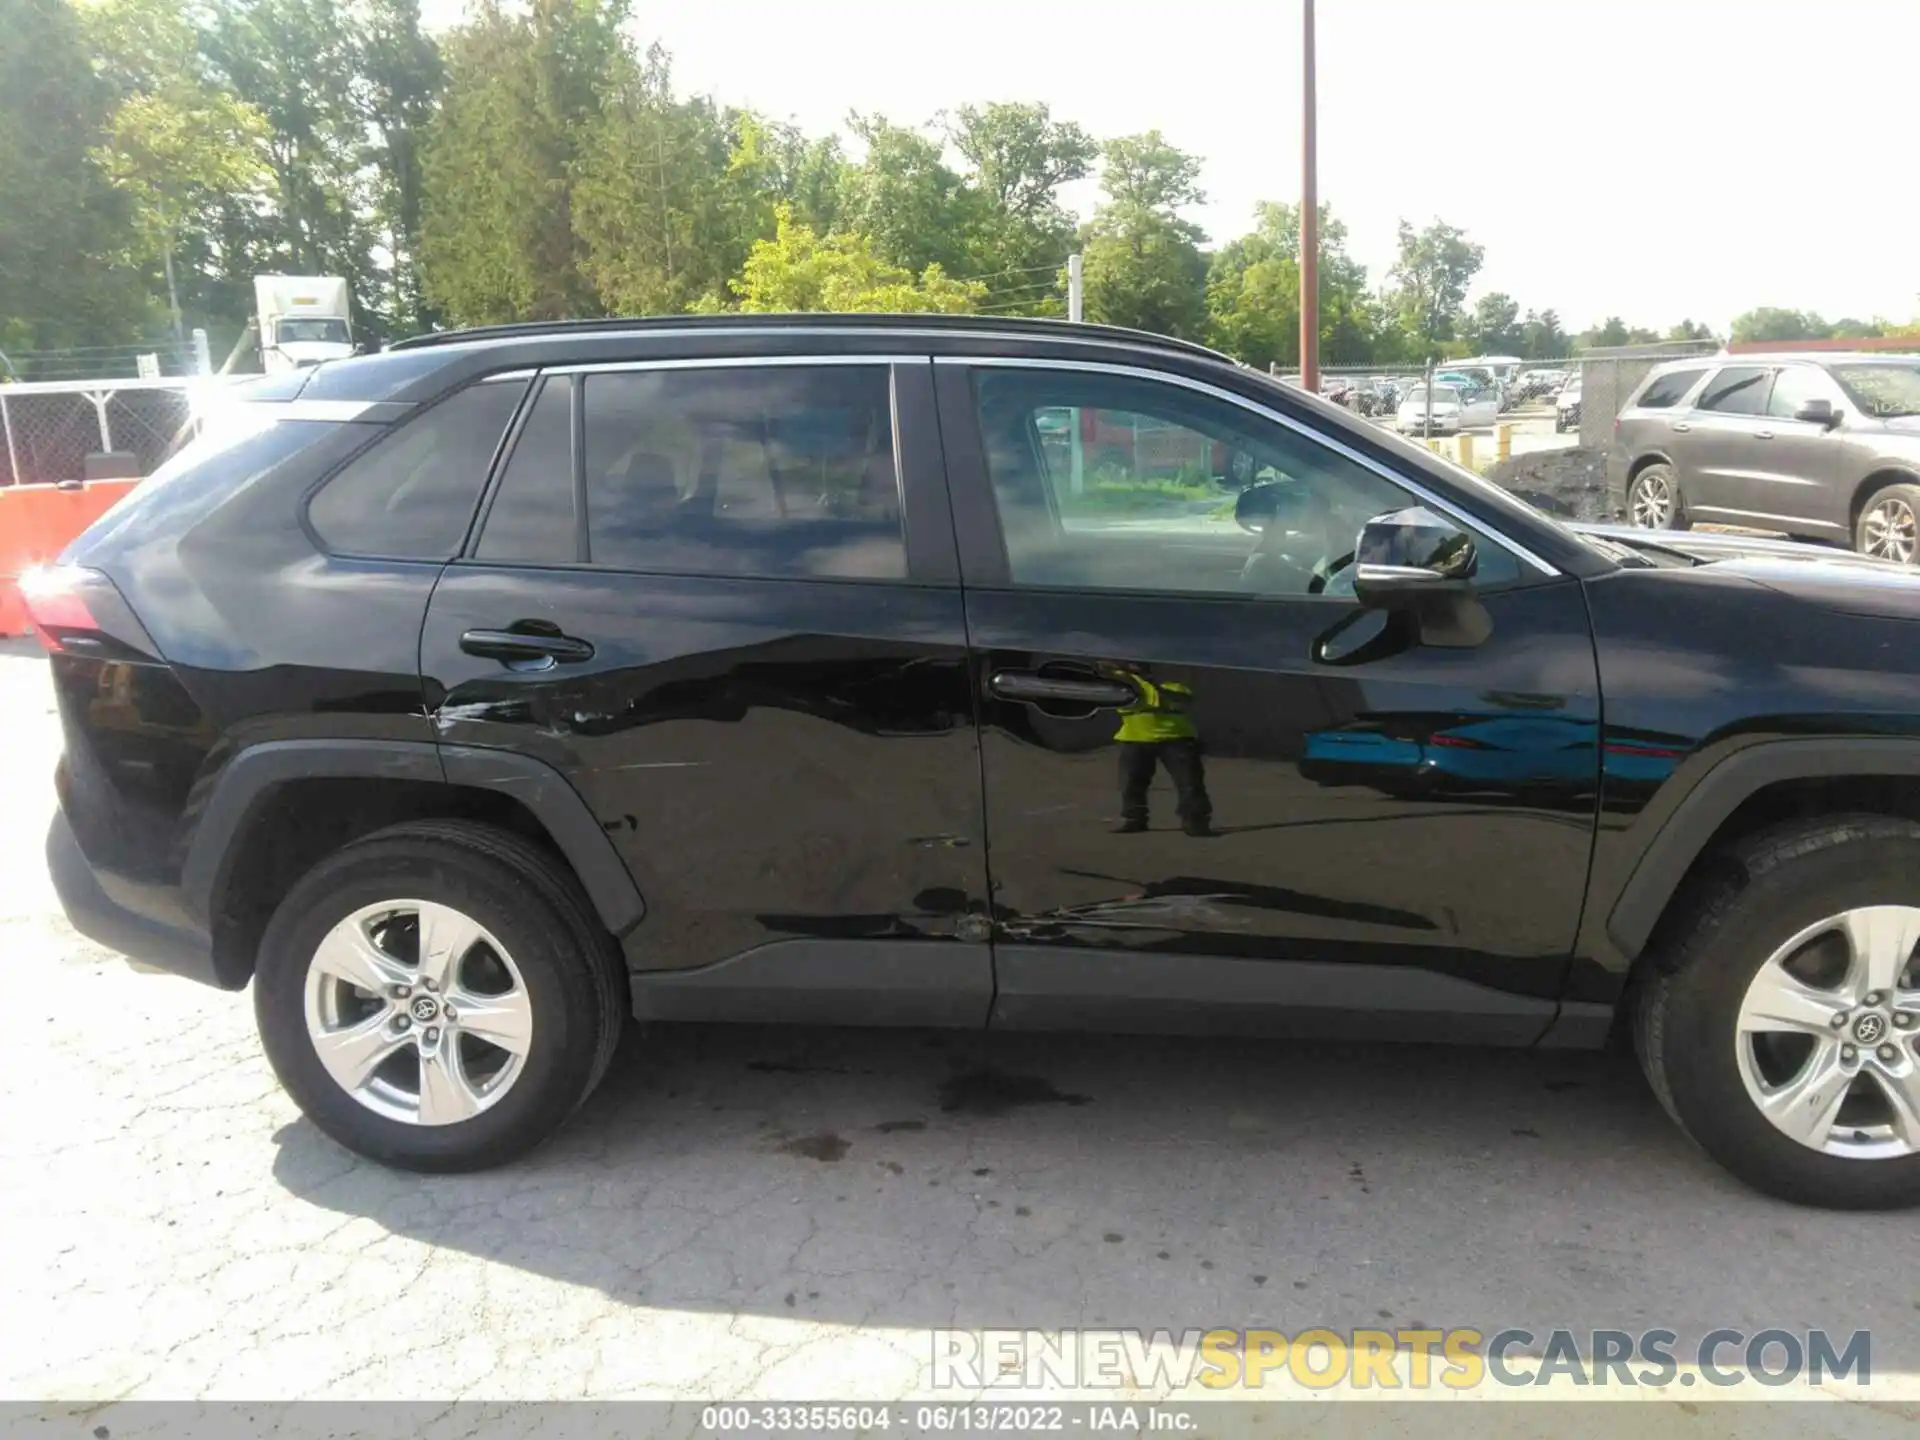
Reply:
x=1869 y=1029
x=424 y=1008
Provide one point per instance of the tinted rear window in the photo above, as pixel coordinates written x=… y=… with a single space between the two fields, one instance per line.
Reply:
x=1737 y=390
x=769 y=471
x=410 y=497
x=1666 y=391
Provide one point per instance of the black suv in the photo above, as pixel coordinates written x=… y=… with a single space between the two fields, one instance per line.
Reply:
x=471 y=697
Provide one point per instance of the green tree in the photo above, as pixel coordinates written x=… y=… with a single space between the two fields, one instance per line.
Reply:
x=526 y=88
x=1143 y=265
x=173 y=153
x=660 y=214
x=1253 y=293
x=1431 y=276
x=402 y=75
x=176 y=143
x=1541 y=337
x=913 y=207
x=799 y=270
x=1615 y=331
x=1020 y=156
x=1848 y=328
x=1493 y=327
x=1770 y=323
x=299 y=63
x=63 y=227
x=1689 y=330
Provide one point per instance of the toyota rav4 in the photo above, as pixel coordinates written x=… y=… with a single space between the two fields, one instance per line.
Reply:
x=471 y=698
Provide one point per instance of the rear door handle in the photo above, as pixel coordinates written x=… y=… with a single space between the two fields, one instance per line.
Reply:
x=520 y=646
x=1763 y=434
x=1023 y=685
x=1681 y=426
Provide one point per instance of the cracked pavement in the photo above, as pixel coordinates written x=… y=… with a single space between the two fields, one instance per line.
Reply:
x=756 y=1213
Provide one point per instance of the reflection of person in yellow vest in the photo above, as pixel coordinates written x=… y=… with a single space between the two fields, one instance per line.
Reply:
x=1158 y=729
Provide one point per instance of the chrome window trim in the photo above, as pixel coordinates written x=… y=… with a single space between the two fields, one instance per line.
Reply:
x=729 y=362
x=1439 y=502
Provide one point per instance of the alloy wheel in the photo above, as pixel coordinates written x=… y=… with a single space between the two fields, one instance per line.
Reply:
x=1826 y=1036
x=417 y=1012
x=1652 y=504
x=1889 y=531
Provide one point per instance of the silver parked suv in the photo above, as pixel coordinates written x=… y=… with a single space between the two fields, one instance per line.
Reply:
x=1822 y=447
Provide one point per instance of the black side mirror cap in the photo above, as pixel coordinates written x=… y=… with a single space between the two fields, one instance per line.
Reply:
x=1818 y=412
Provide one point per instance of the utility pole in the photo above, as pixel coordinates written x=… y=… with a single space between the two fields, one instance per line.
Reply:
x=1309 y=216
x=1076 y=289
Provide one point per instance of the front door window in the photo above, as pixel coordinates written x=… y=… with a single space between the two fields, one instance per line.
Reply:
x=1106 y=482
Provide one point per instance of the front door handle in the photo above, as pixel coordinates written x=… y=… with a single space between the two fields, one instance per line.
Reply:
x=521 y=646
x=1763 y=434
x=1681 y=426
x=1026 y=686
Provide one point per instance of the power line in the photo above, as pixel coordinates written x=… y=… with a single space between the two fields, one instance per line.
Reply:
x=996 y=274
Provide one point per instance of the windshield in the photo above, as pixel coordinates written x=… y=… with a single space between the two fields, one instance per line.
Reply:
x=313 y=330
x=1882 y=391
x=1442 y=395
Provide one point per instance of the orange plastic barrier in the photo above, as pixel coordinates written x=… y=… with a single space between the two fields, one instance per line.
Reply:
x=37 y=522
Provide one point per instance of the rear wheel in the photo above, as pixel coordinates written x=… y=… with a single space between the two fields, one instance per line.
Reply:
x=1780 y=1026
x=1889 y=524
x=438 y=996
x=1653 y=500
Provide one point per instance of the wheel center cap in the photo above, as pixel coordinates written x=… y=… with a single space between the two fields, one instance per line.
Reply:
x=1870 y=1029
x=424 y=1008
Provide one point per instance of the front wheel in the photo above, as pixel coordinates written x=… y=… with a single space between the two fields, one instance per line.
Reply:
x=1887 y=525
x=438 y=996
x=1780 y=1024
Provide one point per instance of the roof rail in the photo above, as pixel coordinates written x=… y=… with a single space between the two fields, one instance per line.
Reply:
x=959 y=324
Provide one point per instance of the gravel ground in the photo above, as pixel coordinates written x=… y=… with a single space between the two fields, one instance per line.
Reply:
x=753 y=1213
x=1570 y=482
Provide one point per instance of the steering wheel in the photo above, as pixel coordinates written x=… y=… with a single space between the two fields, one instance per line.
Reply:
x=1284 y=518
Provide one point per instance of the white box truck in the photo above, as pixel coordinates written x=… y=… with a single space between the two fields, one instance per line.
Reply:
x=303 y=320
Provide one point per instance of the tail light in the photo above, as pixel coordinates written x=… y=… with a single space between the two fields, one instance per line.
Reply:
x=81 y=612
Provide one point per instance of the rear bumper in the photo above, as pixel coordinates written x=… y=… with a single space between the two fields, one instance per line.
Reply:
x=96 y=915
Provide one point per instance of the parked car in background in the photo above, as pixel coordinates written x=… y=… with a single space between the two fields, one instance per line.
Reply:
x=1451 y=412
x=1566 y=406
x=1821 y=447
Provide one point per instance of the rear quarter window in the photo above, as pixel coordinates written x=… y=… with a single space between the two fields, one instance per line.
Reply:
x=411 y=496
x=1663 y=392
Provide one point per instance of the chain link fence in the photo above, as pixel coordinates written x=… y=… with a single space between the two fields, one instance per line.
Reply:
x=104 y=362
x=56 y=433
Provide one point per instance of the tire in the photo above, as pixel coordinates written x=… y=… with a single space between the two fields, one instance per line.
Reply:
x=1657 y=474
x=1769 y=892
x=1893 y=537
x=568 y=974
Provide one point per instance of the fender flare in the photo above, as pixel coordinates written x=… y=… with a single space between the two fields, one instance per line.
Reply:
x=247 y=781
x=1697 y=818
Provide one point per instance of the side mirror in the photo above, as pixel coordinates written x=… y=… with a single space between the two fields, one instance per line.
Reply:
x=1410 y=553
x=1818 y=412
x=1420 y=566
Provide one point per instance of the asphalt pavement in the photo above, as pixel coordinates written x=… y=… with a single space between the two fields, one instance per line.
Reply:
x=758 y=1213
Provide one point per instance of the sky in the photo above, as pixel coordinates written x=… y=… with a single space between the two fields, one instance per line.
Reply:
x=1692 y=158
